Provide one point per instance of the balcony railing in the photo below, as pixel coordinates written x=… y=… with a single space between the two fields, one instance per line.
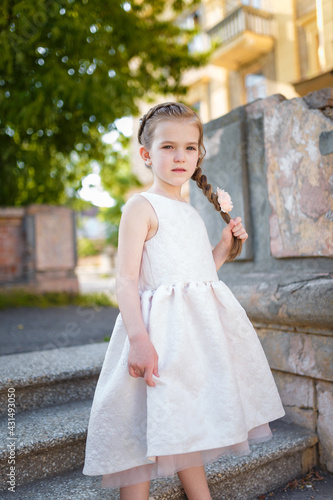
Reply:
x=242 y=19
x=246 y=21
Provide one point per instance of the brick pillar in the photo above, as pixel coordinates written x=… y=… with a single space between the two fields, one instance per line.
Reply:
x=11 y=245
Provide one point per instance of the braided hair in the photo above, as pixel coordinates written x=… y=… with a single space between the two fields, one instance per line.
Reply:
x=172 y=110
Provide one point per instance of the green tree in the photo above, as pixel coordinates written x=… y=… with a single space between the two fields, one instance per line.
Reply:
x=68 y=70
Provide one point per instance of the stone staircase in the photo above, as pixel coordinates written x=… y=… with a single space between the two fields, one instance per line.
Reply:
x=53 y=395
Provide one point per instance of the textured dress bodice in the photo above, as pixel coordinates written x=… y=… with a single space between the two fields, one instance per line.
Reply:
x=180 y=251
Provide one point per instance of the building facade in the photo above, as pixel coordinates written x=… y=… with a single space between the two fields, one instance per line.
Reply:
x=261 y=47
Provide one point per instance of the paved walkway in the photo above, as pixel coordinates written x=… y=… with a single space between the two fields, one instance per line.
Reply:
x=27 y=329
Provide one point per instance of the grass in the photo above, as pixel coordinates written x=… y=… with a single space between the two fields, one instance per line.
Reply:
x=22 y=298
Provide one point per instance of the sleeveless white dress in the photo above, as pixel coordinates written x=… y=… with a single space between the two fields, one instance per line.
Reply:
x=215 y=394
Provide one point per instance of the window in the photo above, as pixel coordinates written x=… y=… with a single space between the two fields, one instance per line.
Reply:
x=201 y=41
x=255 y=86
x=308 y=43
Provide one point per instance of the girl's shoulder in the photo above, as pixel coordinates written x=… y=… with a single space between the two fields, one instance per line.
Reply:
x=136 y=201
x=137 y=208
x=139 y=217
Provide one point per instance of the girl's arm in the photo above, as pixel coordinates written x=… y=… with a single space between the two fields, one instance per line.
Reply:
x=222 y=249
x=133 y=229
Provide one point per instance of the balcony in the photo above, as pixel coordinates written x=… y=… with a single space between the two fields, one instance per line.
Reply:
x=242 y=37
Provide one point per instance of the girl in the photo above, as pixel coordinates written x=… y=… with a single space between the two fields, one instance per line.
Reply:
x=185 y=379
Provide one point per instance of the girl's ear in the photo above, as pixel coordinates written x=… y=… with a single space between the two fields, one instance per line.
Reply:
x=144 y=153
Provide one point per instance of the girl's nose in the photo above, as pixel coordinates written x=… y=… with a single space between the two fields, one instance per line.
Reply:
x=179 y=156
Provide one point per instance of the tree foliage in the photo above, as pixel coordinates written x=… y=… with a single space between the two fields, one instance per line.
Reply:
x=68 y=70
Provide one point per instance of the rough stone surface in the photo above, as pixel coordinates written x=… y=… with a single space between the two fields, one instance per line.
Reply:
x=51 y=377
x=50 y=365
x=298 y=397
x=326 y=143
x=300 y=300
x=325 y=426
x=49 y=441
x=320 y=99
x=299 y=353
x=307 y=417
x=43 y=395
x=299 y=190
x=254 y=110
x=256 y=482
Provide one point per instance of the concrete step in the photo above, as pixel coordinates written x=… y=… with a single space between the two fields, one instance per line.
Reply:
x=48 y=377
x=52 y=440
x=45 y=441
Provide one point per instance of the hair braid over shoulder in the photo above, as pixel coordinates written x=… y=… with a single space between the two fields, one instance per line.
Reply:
x=206 y=188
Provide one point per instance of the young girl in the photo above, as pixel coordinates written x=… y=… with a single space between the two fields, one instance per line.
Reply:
x=185 y=379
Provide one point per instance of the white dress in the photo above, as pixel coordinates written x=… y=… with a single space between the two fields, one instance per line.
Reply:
x=215 y=394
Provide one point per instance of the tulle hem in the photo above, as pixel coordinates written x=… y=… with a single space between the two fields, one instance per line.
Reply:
x=167 y=466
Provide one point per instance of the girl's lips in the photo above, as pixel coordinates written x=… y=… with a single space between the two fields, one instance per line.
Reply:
x=178 y=170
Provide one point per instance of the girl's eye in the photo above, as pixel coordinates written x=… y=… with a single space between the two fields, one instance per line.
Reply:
x=169 y=146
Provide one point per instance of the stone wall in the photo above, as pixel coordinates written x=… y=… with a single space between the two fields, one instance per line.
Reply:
x=38 y=249
x=275 y=158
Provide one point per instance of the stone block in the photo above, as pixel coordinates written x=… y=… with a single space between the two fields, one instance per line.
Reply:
x=256 y=109
x=326 y=143
x=301 y=300
x=299 y=353
x=319 y=99
x=305 y=417
x=299 y=190
x=298 y=397
x=325 y=419
x=295 y=390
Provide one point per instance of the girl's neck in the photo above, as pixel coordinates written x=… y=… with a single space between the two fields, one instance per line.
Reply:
x=174 y=193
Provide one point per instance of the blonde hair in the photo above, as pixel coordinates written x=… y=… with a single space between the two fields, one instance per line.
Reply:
x=174 y=111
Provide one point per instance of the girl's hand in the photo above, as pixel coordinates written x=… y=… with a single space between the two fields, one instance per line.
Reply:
x=234 y=228
x=143 y=359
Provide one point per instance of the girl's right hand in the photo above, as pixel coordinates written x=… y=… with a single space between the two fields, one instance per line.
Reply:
x=143 y=359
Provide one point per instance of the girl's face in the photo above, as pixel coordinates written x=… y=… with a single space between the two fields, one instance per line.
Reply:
x=174 y=151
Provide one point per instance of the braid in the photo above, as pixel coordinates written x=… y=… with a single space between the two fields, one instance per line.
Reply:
x=206 y=188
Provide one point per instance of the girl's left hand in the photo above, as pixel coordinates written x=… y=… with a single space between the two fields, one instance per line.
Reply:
x=234 y=228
